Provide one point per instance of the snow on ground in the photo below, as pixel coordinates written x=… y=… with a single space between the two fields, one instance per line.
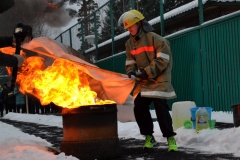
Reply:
x=17 y=145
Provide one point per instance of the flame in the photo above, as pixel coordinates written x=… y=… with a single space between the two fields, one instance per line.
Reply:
x=61 y=83
x=53 y=6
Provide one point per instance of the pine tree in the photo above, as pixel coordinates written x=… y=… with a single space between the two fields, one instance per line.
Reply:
x=119 y=7
x=90 y=24
x=106 y=24
x=150 y=9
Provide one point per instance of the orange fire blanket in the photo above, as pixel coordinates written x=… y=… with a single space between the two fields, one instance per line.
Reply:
x=107 y=84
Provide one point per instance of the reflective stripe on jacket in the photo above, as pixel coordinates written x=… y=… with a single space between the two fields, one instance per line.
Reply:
x=151 y=52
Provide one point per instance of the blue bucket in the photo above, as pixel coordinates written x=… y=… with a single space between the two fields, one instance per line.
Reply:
x=193 y=114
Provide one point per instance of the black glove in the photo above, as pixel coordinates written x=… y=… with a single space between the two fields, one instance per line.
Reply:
x=22 y=31
x=142 y=75
x=131 y=74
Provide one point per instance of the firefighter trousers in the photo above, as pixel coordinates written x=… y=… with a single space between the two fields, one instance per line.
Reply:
x=144 y=119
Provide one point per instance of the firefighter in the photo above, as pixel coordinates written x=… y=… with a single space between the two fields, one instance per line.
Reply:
x=23 y=32
x=149 y=62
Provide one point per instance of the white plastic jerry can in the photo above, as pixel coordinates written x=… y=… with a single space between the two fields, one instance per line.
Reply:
x=181 y=113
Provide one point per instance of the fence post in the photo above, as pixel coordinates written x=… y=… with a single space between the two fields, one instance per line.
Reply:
x=70 y=36
x=132 y=4
x=82 y=30
x=112 y=26
x=112 y=30
x=96 y=34
x=61 y=38
x=202 y=48
x=162 y=18
x=200 y=6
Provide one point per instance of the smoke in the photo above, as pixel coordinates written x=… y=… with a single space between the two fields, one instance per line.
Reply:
x=37 y=13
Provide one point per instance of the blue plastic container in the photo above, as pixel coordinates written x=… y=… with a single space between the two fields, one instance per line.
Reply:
x=193 y=114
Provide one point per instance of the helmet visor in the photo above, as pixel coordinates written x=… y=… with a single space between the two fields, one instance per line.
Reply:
x=120 y=20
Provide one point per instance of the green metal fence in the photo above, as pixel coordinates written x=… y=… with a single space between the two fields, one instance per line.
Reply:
x=206 y=64
x=206 y=58
x=101 y=25
x=186 y=74
x=220 y=63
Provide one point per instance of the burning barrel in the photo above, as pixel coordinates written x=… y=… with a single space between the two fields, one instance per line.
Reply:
x=90 y=132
